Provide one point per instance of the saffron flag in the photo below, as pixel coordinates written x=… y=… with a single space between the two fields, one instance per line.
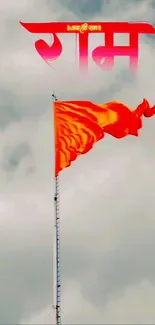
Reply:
x=80 y=124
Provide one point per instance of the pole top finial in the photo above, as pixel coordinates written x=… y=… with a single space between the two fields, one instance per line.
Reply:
x=54 y=96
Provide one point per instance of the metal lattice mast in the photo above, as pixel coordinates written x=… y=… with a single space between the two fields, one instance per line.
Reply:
x=56 y=254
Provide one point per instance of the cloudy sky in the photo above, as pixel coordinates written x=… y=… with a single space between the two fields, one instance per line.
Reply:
x=107 y=196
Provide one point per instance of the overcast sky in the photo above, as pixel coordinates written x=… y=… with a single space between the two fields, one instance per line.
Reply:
x=107 y=196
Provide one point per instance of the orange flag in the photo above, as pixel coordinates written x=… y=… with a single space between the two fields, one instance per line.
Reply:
x=80 y=124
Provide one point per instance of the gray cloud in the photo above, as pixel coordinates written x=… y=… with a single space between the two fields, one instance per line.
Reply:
x=24 y=290
x=84 y=8
x=14 y=156
x=107 y=197
x=8 y=112
x=129 y=262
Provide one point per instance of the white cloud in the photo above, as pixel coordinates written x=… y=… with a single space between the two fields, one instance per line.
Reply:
x=107 y=197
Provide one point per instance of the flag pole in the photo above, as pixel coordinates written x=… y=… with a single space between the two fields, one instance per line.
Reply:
x=56 y=252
